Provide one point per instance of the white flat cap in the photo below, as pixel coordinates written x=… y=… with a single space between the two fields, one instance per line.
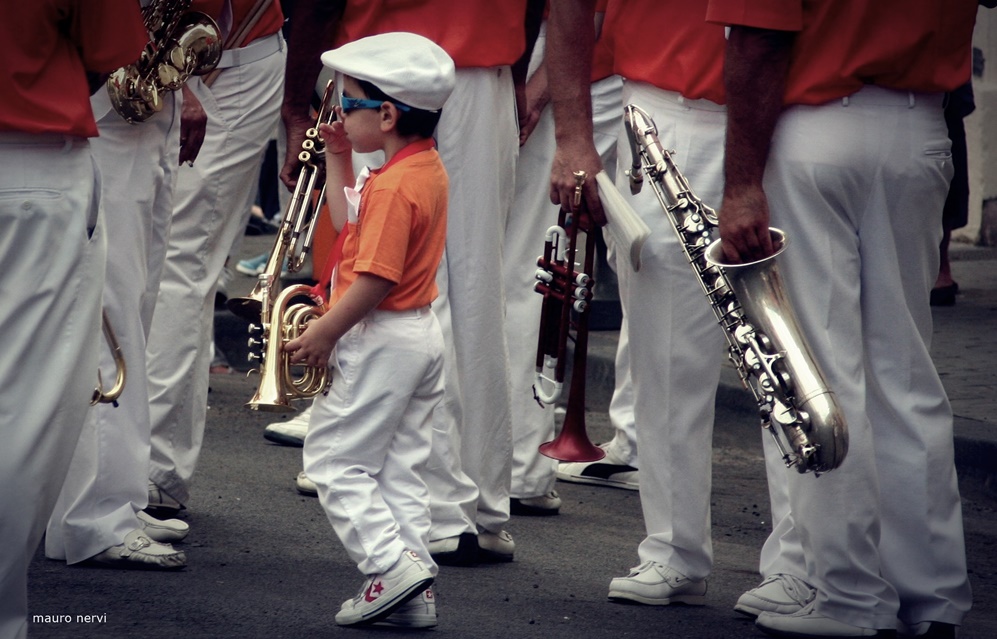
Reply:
x=409 y=68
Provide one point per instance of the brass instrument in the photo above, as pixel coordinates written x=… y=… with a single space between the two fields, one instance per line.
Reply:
x=282 y=316
x=297 y=227
x=110 y=396
x=764 y=339
x=181 y=43
x=564 y=290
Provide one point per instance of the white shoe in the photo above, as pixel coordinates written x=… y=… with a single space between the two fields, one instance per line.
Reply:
x=161 y=501
x=418 y=612
x=542 y=506
x=292 y=432
x=495 y=547
x=167 y=531
x=138 y=551
x=305 y=486
x=781 y=594
x=459 y=550
x=382 y=594
x=655 y=584
x=807 y=622
x=608 y=471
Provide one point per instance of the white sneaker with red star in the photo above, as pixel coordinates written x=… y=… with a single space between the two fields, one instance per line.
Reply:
x=383 y=594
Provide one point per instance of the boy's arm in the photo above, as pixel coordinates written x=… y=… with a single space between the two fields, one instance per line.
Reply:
x=315 y=345
x=338 y=170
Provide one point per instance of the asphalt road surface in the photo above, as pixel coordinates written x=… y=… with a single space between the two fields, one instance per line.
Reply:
x=264 y=562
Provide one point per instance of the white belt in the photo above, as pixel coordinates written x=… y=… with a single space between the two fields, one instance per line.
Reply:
x=880 y=96
x=253 y=52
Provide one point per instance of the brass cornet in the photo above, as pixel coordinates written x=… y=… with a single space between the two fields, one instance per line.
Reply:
x=110 y=396
x=279 y=314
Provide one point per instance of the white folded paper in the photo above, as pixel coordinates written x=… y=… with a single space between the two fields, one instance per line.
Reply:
x=623 y=223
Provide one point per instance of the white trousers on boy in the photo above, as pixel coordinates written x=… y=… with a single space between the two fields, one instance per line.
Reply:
x=369 y=438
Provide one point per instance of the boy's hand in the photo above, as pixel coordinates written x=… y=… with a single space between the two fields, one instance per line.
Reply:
x=334 y=137
x=312 y=348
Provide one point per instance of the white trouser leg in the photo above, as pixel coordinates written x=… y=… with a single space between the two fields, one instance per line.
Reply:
x=212 y=201
x=369 y=438
x=51 y=274
x=883 y=531
x=676 y=367
x=107 y=478
x=532 y=213
x=478 y=143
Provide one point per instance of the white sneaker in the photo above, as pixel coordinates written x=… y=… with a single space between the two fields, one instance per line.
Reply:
x=138 y=551
x=807 y=622
x=495 y=547
x=655 y=584
x=418 y=612
x=781 y=594
x=292 y=432
x=383 y=594
x=167 y=531
x=608 y=471
x=542 y=506
x=305 y=486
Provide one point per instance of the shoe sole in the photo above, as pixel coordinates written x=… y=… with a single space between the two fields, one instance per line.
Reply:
x=516 y=507
x=596 y=481
x=282 y=439
x=629 y=597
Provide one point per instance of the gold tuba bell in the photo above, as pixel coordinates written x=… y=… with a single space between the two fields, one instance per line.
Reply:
x=182 y=43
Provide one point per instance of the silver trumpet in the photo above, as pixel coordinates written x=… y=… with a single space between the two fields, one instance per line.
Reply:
x=765 y=342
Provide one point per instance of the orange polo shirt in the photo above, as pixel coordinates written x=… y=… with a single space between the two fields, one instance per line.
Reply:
x=843 y=45
x=475 y=33
x=401 y=228
x=48 y=45
x=669 y=44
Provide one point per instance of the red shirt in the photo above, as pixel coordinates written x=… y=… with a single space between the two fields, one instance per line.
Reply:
x=475 y=33
x=46 y=47
x=669 y=44
x=268 y=23
x=602 y=54
x=842 y=45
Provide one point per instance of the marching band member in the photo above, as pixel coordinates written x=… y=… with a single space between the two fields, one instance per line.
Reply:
x=240 y=102
x=370 y=435
x=51 y=260
x=837 y=132
x=99 y=516
x=676 y=346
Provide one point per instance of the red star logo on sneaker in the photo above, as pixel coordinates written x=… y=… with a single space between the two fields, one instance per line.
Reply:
x=374 y=590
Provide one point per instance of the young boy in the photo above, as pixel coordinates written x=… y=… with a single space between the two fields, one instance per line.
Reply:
x=369 y=438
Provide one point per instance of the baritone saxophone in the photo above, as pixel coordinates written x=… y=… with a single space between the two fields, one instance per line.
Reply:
x=765 y=343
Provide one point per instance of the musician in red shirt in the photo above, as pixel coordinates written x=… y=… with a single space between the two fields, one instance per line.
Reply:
x=52 y=257
x=836 y=135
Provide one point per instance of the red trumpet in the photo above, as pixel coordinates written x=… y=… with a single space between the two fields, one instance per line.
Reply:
x=565 y=290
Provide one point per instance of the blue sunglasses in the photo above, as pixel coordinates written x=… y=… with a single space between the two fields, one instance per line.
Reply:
x=352 y=104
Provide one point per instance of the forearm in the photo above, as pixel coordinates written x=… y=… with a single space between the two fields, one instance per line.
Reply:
x=363 y=296
x=755 y=69
x=570 y=39
x=312 y=30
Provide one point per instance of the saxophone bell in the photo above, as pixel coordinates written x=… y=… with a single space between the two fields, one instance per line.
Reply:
x=797 y=407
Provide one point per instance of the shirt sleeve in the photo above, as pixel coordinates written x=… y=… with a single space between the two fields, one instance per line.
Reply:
x=779 y=15
x=108 y=33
